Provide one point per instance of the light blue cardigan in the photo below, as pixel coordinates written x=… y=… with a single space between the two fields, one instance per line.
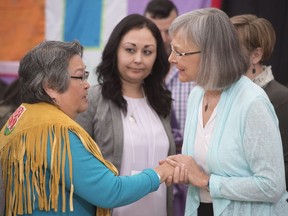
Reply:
x=245 y=156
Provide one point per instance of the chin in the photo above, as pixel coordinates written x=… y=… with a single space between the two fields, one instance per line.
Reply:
x=183 y=79
x=83 y=108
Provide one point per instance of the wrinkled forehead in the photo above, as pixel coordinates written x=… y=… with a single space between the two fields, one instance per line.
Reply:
x=183 y=37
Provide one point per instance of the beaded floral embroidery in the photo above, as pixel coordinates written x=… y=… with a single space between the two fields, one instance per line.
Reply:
x=12 y=121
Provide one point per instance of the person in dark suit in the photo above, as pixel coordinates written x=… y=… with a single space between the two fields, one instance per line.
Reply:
x=251 y=30
x=279 y=19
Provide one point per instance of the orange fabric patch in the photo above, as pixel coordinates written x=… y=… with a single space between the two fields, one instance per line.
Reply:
x=22 y=26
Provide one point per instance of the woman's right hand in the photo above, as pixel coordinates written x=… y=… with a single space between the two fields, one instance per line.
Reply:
x=166 y=172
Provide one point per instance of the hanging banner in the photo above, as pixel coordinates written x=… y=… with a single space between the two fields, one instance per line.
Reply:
x=24 y=24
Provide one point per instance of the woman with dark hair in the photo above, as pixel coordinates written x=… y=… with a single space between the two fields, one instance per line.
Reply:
x=232 y=145
x=129 y=111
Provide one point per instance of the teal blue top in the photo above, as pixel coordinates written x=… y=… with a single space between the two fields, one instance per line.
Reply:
x=245 y=156
x=96 y=185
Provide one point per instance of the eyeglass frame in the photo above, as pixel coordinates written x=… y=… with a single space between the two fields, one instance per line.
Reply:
x=82 y=78
x=179 y=54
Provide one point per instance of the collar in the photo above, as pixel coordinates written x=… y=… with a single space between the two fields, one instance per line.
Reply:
x=264 y=77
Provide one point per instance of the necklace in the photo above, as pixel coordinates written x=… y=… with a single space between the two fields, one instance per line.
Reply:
x=213 y=99
x=132 y=118
x=206 y=107
x=133 y=104
x=147 y=131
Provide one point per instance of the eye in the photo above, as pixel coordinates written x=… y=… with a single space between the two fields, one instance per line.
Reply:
x=130 y=50
x=147 y=52
x=178 y=53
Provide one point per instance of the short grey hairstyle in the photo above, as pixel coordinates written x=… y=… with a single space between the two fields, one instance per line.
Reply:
x=222 y=60
x=46 y=64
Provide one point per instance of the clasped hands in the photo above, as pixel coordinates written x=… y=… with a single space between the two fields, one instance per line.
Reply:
x=182 y=169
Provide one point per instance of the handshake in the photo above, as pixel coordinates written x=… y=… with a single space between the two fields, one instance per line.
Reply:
x=182 y=169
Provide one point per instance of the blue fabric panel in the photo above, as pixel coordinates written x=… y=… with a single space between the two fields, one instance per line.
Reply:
x=83 y=22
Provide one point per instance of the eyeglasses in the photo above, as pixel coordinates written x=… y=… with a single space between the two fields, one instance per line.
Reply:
x=184 y=53
x=82 y=78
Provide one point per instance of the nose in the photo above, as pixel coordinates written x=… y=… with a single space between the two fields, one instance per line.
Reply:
x=172 y=58
x=86 y=84
x=138 y=57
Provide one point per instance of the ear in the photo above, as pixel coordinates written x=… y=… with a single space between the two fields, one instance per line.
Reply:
x=50 y=91
x=256 y=55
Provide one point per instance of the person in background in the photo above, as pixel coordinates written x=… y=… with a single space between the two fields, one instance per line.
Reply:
x=3 y=86
x=2 y=194
x=277 y=14
x=129 y=110
x=163 y=13
x=10 y=101
x=51 y=166
x=259 y=48
x=232 y=144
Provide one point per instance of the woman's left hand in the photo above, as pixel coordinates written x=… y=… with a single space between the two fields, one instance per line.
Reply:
x=180 y=173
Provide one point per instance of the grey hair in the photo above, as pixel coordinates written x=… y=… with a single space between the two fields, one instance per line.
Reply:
x=46 y=64
x=222 y=60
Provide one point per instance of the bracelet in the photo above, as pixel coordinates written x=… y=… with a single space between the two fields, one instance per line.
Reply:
x=159 y=177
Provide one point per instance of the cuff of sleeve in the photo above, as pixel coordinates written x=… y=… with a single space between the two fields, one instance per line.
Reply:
x=214 y=185
x=154 y=177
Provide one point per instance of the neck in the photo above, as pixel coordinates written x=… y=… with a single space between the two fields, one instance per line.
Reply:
x=251 y=74
x=212 y=94
x=210 y=100
x=133 y=91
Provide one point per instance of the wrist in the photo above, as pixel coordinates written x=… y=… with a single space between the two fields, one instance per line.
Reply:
x=159 y=173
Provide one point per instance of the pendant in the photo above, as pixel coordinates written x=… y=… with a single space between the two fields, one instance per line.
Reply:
x=132 y=118
x=206 y=107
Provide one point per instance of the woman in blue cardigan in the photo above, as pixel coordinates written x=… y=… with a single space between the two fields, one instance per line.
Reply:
x=232 y=146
